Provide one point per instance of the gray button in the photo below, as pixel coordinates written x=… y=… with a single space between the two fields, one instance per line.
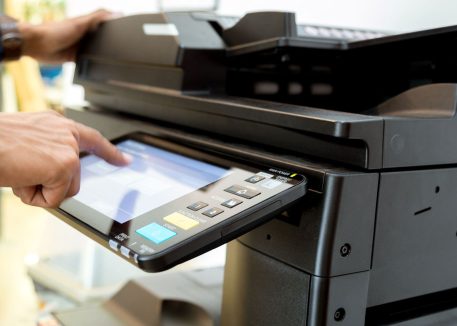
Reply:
x=212 y=212
x=197 y=206
x=231 y=203
x=242 y=192
x=114 y=245
x=254 y=179
x=125 y=251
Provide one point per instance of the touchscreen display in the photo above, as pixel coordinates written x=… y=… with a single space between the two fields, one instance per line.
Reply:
x=154 y=178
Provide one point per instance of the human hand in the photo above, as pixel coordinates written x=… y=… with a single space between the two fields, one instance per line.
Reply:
x=58 y=42
x=39 y=155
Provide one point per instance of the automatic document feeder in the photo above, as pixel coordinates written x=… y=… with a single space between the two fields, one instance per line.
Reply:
x=368 y=119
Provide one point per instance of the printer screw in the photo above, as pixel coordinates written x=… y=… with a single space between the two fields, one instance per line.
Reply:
x=345 y=250
x=339 y=315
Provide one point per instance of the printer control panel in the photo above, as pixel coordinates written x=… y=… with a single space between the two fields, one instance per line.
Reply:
x=173 y=203
x=208 y=215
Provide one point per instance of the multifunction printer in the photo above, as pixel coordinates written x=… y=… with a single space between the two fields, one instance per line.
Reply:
x=368 y=118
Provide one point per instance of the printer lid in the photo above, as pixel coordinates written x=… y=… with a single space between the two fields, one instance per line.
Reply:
x=409 y=129
x=134 y=39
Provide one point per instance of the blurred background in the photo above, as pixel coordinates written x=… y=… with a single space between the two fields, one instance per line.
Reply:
x=45 y=265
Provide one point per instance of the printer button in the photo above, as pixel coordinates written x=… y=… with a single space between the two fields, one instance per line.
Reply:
x=213 y=212
x=231 y=203
x=156 y=233
x=254 y=179
x=125 y=251
x=197 y=206
x=181 y=221
x=242 y=192
x=114 y=245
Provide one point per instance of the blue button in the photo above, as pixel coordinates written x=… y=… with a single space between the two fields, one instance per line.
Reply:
x=156 y=233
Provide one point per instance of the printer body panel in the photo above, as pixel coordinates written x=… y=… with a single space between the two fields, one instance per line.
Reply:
x=253 y=281
x=330 y=298
x=352 y=139
x=414 y=249
x=326 y=234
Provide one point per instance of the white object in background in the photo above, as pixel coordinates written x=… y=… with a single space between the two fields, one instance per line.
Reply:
x=201 y=5
x=9 y=99
x=72 y=94
x=81 y=7
x=385 y=15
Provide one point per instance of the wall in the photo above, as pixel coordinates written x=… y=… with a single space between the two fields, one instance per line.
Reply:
x=393 y=15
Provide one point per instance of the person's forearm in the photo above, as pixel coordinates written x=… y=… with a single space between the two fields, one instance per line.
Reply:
x=19 y=39
x=54 y=42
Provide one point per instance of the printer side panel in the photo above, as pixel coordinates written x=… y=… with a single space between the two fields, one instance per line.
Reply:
x=311 y=265
x=259 y=290
x=326 y=234
x=415 y=244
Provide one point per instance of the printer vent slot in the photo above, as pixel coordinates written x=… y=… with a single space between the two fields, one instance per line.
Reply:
x=423 y=211
x=409 y=309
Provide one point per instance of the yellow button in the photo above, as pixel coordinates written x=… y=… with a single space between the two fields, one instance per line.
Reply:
x=181 y=221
